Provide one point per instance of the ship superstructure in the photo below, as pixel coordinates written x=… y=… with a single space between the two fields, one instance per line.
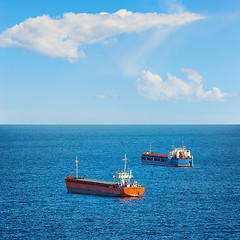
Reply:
x=122 y=188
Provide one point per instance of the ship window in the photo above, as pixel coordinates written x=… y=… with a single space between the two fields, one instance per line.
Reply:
x=163 y=160
x=149 y=158
x=156 y=159
x=143 y=158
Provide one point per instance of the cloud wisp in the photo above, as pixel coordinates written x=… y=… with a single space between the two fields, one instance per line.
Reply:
x=64 y=37
x=102 y=96
x=153 y=87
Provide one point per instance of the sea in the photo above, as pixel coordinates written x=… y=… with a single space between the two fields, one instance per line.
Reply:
x=202 y=202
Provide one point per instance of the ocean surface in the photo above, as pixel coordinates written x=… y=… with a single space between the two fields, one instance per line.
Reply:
x=202 y=202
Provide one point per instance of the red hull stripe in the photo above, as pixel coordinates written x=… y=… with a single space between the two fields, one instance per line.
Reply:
x=154 y=155
x=93 y=187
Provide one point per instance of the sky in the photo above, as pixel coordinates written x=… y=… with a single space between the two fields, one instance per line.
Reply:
x=120 y=62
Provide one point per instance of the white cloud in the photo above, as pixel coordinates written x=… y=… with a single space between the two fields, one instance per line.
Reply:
x=63 y=37
x=153 y=87
x=111 y=95
x=102 y=96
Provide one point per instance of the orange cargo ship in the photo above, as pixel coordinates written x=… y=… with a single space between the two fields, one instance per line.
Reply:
x=122 y=188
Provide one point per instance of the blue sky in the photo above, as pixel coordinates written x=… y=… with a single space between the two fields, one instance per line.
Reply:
x=120 y=62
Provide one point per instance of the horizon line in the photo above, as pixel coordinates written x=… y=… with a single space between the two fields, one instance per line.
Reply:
x=89 y=124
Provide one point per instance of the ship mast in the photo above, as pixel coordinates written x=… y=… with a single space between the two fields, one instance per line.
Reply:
x=124 y=176
x=150 y=147
x=76 y=167
x=125 y=164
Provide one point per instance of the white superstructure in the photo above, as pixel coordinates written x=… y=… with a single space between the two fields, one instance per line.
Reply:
x=125 y=176
x=179 y=153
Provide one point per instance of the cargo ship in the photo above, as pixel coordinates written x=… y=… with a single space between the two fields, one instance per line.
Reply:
x=122 y=188
x=177 y=157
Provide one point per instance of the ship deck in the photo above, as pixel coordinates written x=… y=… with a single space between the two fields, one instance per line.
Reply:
x=93 y=181
x=154 y=155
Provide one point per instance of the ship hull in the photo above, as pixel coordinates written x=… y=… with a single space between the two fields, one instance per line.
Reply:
x=78 y=190
x=101 y=188
x=156 y=163
x=163 y=160
x=171 y=163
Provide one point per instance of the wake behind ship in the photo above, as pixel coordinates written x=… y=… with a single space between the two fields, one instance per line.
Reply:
x=122 y=188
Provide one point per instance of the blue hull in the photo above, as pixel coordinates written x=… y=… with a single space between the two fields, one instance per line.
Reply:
x=171 y=162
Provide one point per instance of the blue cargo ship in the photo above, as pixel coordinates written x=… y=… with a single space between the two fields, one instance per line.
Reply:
x=177 y=157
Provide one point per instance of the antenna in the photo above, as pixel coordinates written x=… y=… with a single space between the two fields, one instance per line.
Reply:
x=125 y=164
x=150 y=147
x=126 y=146
x=76 y=167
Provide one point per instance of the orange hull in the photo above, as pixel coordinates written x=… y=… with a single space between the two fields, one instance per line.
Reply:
x=134 y=191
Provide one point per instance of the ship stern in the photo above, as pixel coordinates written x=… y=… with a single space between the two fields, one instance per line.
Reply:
x=134 y=191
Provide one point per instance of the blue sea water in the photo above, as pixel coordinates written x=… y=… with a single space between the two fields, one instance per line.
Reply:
x=179 y=203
